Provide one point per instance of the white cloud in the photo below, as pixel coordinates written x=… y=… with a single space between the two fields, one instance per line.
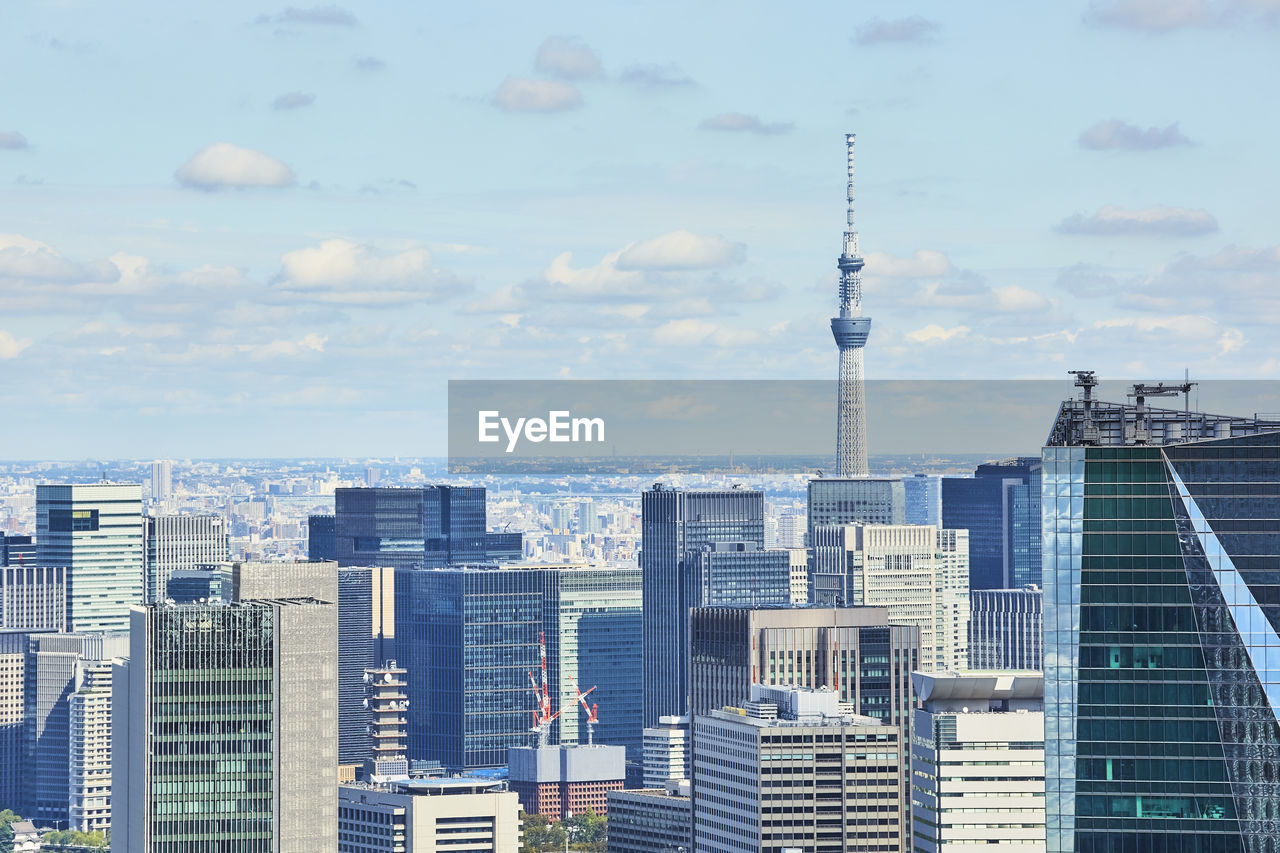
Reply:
x=343 y=272
x=1154 y=221
x=1185 y=328
x=925 y=263
x=1114 y=135
x=11 y=346
x=602 y=279
x=694 y=332
x=935 y=333
x=681 y=250
x=913 y=28
x=523 y=95
x=1013 y=299
x=508 y=298
x=744 y=123
x=568 y=59
x=223 y=166
x=29 y=260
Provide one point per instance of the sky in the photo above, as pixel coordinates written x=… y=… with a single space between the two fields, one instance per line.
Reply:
x=259 y=229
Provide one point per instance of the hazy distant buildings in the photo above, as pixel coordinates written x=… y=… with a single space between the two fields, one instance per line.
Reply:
x=161 y=480
x=1000 y=507
x=429 y=816
x=177 y=542
x=96 y=532
x=33 y=597
x=1006 y=629
x=792 y=770
x=978 y=758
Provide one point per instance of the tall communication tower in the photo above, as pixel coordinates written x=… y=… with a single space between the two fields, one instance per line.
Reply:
x=851 y=330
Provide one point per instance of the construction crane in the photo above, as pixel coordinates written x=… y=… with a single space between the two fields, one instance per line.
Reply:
x=1141 y=391
x=542 y=714
x=593 y=713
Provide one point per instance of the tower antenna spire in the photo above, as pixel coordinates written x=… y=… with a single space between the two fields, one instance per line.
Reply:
x=851 y=330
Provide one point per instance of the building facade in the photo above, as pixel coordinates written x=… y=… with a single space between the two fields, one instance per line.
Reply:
x=1006 y=629
x=791 y=770
x=560 y=781
x=429 y=816
x=33 y=597
x=651 y=820
x=176 y=542
x=666 y=751
x=89 y=783
x=978 y=762
x=1000 y=507
x=923 y=495
x=322 y=541
x=95 y=531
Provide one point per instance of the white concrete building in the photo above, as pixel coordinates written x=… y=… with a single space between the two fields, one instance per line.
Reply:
x=666 y=751
x=89 y=782
x=977 y=759
x=429 y=815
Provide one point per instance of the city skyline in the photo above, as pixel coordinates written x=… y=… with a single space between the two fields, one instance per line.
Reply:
x=600 y=194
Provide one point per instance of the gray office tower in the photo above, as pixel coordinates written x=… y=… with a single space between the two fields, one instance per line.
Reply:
x=17 y=550
x=832 y=502
x=322 y=542
x=1162 y=629
x=95 y=531
x=356 y=653
x=923 y=495
x=432 y=527
x=1006 y=629
x=13 y=712
x=1000 y=507
x=225 y=731
x=33 y=597
x=469 y=638
x=177 y=542
x=688 y=540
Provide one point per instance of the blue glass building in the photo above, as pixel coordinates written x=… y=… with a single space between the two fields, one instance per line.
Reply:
x=1000 y=507
x=322 y=542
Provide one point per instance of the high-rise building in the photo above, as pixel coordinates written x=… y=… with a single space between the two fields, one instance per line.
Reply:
x=386 y=692
x=739 y=574
x=33 y=597
x=89 y=786
x=252 y=580
x=850 y=330
x=322 y=541
x=651 y=820
x=923 y=494
x=428 y=816
x=177 y=542
x=676 y=526
x=588 y=519
x=226 y=730
x=793 y=770
x=1161 y=552
x=865 y=500
x=487 y=621
x=791 y=529
x=666 y=751
x=161 y=480
x=1000 y=507
x=1006 y=629
x=799 y=576
x=978 y=759
x=356 y=655
x=195 y=586
x=920 y=573
x=561 y=781
x=17 y=550
x=13 y=714
x=95 y=531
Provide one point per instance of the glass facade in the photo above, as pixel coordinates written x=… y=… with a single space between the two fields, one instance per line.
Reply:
x=355 y=655
x=1162 y=663
x=1000 y=507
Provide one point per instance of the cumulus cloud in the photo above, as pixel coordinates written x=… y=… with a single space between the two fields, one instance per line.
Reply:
x=25 y=260
x=913 y=28
x=11 y=346
x=925 y=263
x=1183 y=327
x=1119 y=135
x=681 y=250
x=1086 y=280
x=689 y=331
x=652 y=76
x=11 y=140
x=524 y=95
x=568 y=59
x=744 y=123
x=327 y=15
x=293 y=101
x=343 y=272
x=933 y=333
x=1162 y=16
x=226 y=166
x=1153 y=221
x=603 y=280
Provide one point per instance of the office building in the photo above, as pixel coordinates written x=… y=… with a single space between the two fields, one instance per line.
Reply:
x=161 y=480
x=225 y=730
x=791 y=528
x=978 y=762
x=559 y=781
x=33 y=597
x=1006 y=629
x=254 y=580
x=651 y=820
x=89 y=784
x=666 y=751
x=430 y=527
x=429 y=816
x=920 y=573
x=792 y=770
x=357 y=654
x=799 y=569
x=488 y=620
x=739 y=574
x=177 y=542
x=923 y=499
x=13 y=714
x=386 y=693
x=861 y=500
x=1000 y=507
x=676 y=526
x=1161 y=550
x=17 y=550
x=196 y=586
x=588 y=518
x=322 y=540
x=95 y=532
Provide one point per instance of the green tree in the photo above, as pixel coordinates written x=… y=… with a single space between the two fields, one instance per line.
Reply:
x=76 y=838
x=7 y=818
x=541 y=835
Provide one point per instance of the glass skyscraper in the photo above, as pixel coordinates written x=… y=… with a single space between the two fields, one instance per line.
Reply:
x=1161 y=548
x=1000 y=507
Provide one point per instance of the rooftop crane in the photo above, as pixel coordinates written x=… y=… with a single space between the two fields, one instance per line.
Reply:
x=593 y=713
x=542 y=714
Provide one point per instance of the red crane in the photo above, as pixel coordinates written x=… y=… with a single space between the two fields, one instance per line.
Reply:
x=542 y=715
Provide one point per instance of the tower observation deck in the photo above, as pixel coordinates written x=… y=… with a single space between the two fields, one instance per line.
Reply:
x=851 y=330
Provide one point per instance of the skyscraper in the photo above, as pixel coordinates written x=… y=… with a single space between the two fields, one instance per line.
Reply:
x=13 y=713
x=51 y=661
x=95 y=531
x=1161 y=550
x=33 y=597
x=161 y=480
x=356 y=655
x=851 y=330
x=1000 y=507
x=225 y=729
x=89 y=785
x=17 y=550
x=1006 y=629
x=177 y=542
x=923 y=499
x=322 y=543
x=676 y=526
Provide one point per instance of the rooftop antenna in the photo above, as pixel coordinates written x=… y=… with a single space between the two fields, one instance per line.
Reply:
x=1087 y=380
